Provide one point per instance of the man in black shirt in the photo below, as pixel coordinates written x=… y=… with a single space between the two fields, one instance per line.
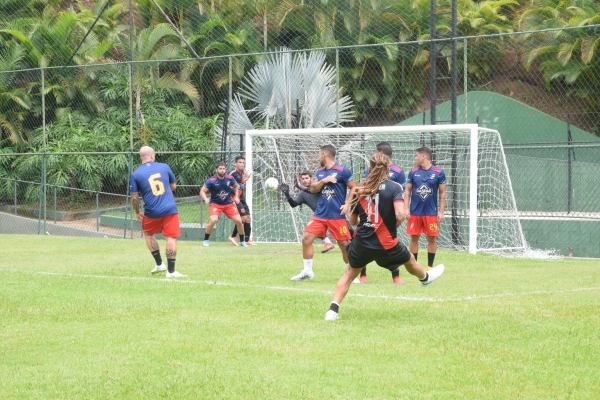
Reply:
x=379 y=205
x=304 y=196
x=241 y=177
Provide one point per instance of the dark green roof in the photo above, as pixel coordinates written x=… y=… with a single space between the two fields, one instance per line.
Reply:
x=516 y=122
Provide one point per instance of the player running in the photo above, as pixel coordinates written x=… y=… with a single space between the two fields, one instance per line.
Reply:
x=395 y=175
x=331 y=182
x=220 y=186
x=379 y=206
x=156 y=182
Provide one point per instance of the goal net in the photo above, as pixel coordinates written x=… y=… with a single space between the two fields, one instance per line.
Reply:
x=480 y=212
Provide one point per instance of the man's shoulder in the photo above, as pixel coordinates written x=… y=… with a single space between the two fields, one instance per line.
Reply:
x=415 y=169
x=437 y=170
x=395 y=168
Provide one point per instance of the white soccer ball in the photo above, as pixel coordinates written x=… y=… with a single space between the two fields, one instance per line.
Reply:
x=272 y=183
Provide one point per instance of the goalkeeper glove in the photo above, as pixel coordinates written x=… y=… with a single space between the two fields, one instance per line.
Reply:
x=285 y=188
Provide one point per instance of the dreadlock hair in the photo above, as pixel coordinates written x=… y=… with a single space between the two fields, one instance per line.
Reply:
x=380 y=164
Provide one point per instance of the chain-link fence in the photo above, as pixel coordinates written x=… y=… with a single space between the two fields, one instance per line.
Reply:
x=83 y=85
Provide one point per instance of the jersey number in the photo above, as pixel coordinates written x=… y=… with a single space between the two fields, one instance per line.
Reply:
x=343 y=230
x=157 y=186
x=433 y=227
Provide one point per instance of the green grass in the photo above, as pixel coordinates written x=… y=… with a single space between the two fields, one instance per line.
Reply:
x=83 y=318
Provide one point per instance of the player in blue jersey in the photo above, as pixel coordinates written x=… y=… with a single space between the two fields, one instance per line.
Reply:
x=220 y=187
x=331 y=181
x=155 y=183
x=304 y=196
x=425 y=182
x=380 y=208
x=395 y=174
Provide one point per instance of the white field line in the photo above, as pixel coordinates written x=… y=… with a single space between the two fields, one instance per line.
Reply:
x=329 y=292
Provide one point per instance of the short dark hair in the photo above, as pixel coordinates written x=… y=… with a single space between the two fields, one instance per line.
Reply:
x=238 y=158
x=220 y=164
x=425 y=150
x=329 y=149
x=385 y=148
x=306 y=173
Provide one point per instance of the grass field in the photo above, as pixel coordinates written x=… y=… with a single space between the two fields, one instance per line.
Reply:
x=83 y=318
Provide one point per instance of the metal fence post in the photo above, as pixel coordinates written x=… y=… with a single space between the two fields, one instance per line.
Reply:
x=54 y=204
x=15 y=190
x=97 y=213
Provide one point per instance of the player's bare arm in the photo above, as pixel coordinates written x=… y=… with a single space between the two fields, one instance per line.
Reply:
x=400 y=211
x=442 y=193
x=316 y=186
x=353 y=219
x=135 y=200
x=407 y=194
x=235 y=189
x=203 y=193
x=351 y=186
x=173 y=186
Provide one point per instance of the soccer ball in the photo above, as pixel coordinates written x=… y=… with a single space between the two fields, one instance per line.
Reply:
x=272 y=183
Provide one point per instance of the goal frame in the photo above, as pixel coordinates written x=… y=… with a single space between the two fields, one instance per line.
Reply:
x=474 y=138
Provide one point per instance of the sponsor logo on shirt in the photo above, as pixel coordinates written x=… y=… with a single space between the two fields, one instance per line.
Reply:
x=327 y=192
x=424 y=192
x=222 y=195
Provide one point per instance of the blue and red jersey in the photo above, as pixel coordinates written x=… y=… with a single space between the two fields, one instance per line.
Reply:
x=425 y=184
x=333 y=195
x=395 y=175
x=153 y=181
x=220 y=189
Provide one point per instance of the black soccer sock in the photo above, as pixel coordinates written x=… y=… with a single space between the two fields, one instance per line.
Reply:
x=171 y=265
x=247 y=230
x=234 y=231
x=363 y=272
x=206 y=236
x=242 y=238
x=157 y=257
x=334 y=307
x=426 y=277
x=416 y=255
x=430 y=258
x=396 y=273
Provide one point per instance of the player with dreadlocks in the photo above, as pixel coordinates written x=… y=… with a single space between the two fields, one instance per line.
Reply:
x=379 y=205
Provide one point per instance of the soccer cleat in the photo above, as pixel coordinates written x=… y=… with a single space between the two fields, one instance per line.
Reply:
x=331 y=315
x=175 y=274
x=398 y=280
x=327 y=247
x=158 y=268
x=233 y=240
x=429 y=268
x=356 y=280
x=205 y=243
x=250 y=242
x=244 y=244
x=434 y=273
x=363 y=279
x=303 y=275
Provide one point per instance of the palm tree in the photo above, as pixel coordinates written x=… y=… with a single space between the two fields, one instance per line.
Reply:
x=14 y=101
x=291 y=91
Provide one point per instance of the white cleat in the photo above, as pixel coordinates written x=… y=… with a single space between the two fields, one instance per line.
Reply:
x=331 y=316
x=159 y=268
x=303 y=275
x=175 y=274
x=434 y=273
x=356 y=280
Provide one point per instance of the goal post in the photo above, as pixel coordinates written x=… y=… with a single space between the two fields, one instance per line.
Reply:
x=480 y=211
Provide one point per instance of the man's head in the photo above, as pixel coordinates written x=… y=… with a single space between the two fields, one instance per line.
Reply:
x=306 y=178
x=385 y=148
x=220 y=168
x=240 y=163
x=147 y=154
x=423 y=156
x=326 y=152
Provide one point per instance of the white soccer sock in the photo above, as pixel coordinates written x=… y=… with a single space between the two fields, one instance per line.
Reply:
x=327 y=241
x=308 y=264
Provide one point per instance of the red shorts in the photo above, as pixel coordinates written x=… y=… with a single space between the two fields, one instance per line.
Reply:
x=229 y=209
x=417 y=225
x=167 y=225
x=337 y=227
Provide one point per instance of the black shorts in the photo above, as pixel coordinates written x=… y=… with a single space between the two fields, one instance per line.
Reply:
x=391 y=259
x=243 y=208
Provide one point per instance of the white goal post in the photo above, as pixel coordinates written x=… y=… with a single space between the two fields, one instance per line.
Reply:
x=480 y=212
